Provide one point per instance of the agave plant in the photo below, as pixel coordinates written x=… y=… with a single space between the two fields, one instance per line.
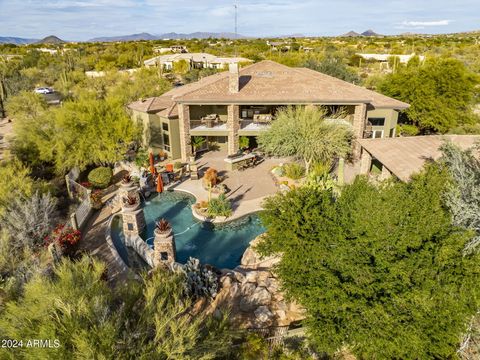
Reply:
x=127 y=179
x=200 y=281
x=162 y=225
x=130 y=200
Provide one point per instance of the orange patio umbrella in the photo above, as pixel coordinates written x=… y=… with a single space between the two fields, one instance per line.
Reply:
x=159 y=183
x=152 y=167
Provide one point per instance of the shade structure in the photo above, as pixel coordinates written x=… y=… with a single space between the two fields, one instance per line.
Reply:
x=152 y=167
x=159 y=183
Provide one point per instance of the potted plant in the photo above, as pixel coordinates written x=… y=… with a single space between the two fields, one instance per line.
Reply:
x=162 y=228
x=197 y=142
x=127 y=180
x=162 y=155
x=96 y=199
x=131 y=202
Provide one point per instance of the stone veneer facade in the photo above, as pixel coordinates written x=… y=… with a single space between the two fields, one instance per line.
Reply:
x=359 y=122
x=233 y=125
x=164 y=249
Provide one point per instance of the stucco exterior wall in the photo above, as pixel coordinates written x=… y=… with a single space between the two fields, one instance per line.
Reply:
x=391 y=119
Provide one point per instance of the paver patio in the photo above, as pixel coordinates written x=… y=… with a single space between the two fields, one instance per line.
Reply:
x=248 y=188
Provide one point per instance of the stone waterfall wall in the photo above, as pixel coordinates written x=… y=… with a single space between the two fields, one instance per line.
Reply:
x=252 y=293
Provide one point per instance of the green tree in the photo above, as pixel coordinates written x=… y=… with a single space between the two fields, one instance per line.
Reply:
x=85 y=131
x=333 y=66
x=14 y=182
x=135 y=320
x=441 y=93
x=181 y=67
x=378 y=268
x=307 y=134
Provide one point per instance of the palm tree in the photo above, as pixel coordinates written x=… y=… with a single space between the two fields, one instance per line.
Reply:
x=309 y=133
x=197 y=142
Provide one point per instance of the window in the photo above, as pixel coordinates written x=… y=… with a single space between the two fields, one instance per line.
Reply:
x=166 y=142
x=377 y=134
x=376 y=121
x=130 y=227
x=165 y=126
x=163 y=256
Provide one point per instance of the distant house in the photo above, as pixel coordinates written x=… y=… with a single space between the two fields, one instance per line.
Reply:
x=278 y=45
x=244 y=102
x=176 y=49
x=195 y=61
x=48 y=51
x=383 y=59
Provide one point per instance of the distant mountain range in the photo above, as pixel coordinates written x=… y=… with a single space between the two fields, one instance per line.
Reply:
x=16 y=40
x=365 y=33
x=171 y=35
x=52 y=39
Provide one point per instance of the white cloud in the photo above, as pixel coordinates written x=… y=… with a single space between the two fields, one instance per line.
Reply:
x=425 y=23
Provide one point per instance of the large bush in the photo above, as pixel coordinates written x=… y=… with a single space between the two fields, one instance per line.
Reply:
x=100 y=177
x=378 y=268
x=220 y=206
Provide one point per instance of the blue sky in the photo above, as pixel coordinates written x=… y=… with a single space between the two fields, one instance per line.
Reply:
x=84 y=19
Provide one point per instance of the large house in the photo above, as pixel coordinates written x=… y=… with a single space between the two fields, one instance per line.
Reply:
x=194 y=60
x=235 y=103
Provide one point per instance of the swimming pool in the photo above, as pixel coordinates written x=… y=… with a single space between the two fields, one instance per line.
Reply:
x=218 y=245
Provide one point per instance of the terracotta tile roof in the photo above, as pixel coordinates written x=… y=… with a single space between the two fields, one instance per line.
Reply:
x=270 y=82
x=405 y=156
x=267 y=82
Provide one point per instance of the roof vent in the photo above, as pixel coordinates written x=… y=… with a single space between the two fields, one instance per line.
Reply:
x=233 y=79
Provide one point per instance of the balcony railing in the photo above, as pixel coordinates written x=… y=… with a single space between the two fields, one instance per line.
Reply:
x=208 y=125
x=246 y=124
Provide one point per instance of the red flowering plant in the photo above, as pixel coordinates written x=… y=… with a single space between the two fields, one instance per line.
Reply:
x=86 y=184
x=65 y=236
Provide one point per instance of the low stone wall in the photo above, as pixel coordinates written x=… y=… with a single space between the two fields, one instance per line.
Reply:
x=141 y=248
x=108 y=237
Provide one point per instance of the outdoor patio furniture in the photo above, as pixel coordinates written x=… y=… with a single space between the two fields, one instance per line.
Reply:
x=262 y=118
x=210 y=120
x=193 y=172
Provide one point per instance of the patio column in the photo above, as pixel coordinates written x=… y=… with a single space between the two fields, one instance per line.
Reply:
x=365 y=163
x=233 y=124
x=184 y=127
x=359 y=122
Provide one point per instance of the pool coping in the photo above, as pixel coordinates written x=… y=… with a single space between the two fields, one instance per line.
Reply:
x=256 y=207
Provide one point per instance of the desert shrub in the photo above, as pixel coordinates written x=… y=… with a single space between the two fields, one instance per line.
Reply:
x=220 y=206
x=294 y=171
x=29 y=220
x=100 y=177
x=200 y=281
x=210 y=177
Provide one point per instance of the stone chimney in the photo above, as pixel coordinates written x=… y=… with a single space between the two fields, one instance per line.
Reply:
x=233 y=79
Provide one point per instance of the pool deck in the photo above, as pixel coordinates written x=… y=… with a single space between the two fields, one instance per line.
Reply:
x=248 y=188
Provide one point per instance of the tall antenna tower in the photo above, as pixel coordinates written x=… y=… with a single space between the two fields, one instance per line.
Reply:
x=236 y=34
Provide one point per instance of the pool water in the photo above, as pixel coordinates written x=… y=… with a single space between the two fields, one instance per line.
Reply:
x=218 y=245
